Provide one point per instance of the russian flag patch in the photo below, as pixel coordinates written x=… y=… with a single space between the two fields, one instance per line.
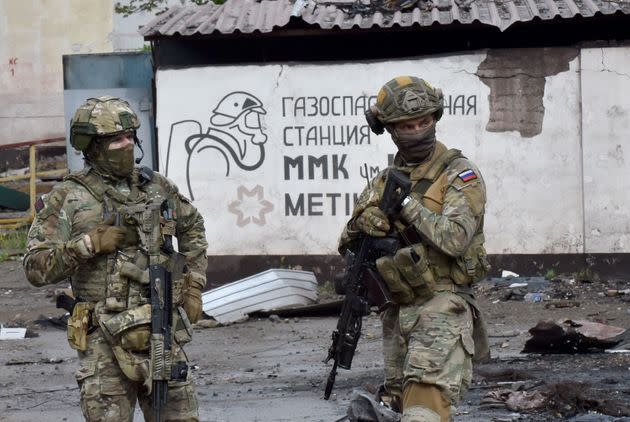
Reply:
x=467 y=175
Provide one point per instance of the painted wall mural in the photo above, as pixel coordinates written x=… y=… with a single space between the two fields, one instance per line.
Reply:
x=274 y=156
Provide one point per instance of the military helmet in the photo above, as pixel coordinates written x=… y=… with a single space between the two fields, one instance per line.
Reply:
x=102 y=116
x=407 y=97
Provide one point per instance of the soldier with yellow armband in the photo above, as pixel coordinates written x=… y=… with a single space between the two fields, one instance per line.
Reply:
x=99 y=228
x=433 y=329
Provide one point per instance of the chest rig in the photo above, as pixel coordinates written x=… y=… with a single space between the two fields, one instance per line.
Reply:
x=430 y=181
x=127 y=276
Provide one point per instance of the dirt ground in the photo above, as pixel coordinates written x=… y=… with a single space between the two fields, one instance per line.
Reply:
x=271 y=369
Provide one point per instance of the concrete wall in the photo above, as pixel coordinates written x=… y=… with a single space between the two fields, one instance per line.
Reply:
x=548 y=129
x=606 y=140
x=34 y=35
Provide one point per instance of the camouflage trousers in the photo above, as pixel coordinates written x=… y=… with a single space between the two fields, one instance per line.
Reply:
x=107 y=395
x=429 y=344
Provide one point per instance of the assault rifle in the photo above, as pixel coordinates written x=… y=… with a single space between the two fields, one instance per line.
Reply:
x=163 y=369
x=363 y=286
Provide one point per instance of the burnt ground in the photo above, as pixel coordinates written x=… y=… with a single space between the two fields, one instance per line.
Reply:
x=270 y=369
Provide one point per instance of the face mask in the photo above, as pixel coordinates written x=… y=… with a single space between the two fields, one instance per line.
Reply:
x=415 y=147
x=115 y=162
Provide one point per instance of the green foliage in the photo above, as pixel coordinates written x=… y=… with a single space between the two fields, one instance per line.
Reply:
x=129 y=7
x=13 y=239
x=11 y=242
x=551 y=274
x=326 y=289
x=586 y=275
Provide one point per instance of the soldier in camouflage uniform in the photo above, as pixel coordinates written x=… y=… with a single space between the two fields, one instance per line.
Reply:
x=89 y=229
x=433 y=329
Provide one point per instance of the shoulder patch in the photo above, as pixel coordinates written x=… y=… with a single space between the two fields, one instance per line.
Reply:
x=39 y=204
x=467 y=175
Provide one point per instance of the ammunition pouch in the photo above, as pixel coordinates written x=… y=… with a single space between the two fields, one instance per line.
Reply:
x=473 y=265
x=80 y=325
x=413 y=264
x=408 y=275
x=131 y=329
x=401 y=292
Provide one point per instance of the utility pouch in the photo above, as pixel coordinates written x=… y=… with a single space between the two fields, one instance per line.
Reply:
x=130 y=328
x=117 y=288
x=413 y=264
x=473 y=265
x=78 y=326
x=401 y=292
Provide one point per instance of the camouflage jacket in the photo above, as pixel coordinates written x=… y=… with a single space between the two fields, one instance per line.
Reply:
x=56 y=249
x=451 y=210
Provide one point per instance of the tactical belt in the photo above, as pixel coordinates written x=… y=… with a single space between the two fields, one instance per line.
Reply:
x=446 y=285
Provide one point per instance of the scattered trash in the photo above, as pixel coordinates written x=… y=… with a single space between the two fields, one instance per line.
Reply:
x=525 y=401
x=536 y=297
x=60 y=323
x=17 y=361
x=10 y=333
x=569 y=398
x=515 y=285
x=508 y=274
x=615 y=292
x=268 y=290
x=562 y=304
x=571 y=337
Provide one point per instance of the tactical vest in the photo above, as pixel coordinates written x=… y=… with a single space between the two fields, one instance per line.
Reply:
x=126 y=283
x=430 y=182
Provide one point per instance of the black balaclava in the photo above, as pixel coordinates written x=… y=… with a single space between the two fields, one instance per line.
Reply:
x=417 y=146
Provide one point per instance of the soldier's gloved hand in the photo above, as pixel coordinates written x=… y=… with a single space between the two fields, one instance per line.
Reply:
x=105 y=238
x=411 y=208
x=193 y=284
x=372 y=222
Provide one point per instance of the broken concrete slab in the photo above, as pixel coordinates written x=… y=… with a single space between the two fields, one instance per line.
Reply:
x=571 y=336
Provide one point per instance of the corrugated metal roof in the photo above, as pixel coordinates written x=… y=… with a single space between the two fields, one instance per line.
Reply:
x=247 y=16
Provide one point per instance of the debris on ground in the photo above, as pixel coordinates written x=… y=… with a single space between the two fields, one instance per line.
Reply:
x=207 y=323
x=33 y=361
x=571 y=398
x=569 y=336
x=364 y=408
x=536 y=297
x=12 y=333
x=269 y=290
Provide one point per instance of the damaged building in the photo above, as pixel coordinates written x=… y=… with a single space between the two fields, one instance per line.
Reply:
x=252 y=99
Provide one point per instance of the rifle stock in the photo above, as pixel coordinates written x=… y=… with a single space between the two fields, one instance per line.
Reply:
x=363 y=285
